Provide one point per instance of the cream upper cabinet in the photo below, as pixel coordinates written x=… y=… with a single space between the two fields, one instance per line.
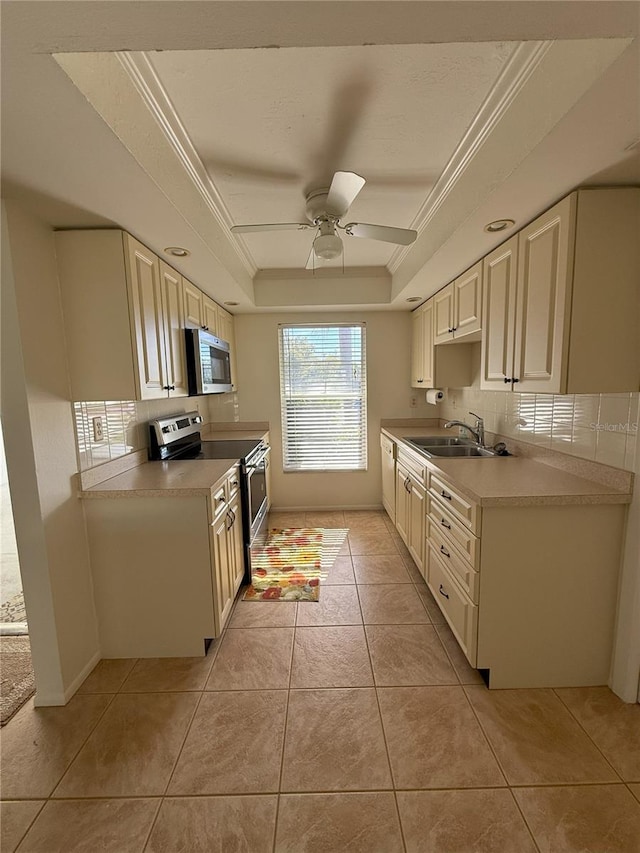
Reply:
x=226 y=331
x=210 y=312
x=458 y=308
x=499 y=316
x=193 y=305
x=431 y=366
x=113 y=292
x=574 y=273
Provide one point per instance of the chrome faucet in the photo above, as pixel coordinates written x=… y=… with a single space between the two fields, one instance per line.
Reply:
x=477 y=432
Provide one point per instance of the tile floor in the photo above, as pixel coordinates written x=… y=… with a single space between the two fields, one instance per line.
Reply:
x=354 y=724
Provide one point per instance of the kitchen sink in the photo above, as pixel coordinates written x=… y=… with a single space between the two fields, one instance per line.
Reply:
x=458 y=451
x=440 y=441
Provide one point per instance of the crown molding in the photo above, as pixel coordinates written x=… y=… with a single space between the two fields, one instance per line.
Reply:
x=148 y=85
x=522 y=63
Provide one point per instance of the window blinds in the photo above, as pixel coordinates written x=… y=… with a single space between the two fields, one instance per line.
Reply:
x=323 y=397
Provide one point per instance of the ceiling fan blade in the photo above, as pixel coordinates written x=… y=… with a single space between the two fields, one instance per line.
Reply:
x=344 y=188
x=273 y=226
x=401 y=236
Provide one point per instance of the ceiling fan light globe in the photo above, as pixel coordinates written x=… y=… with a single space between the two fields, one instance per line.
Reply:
x=327 y=246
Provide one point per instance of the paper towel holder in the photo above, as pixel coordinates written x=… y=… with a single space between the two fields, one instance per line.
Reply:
x=434 y=396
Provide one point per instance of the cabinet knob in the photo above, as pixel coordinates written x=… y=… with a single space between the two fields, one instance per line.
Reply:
x=204 y=328
x=442 y=592
x=420 y=380
x=455 y=329
x=506 y=380
x=515 y=380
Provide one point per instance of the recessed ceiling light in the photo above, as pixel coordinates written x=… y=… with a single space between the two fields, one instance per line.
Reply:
x=232 y=304
x=414 y=298
x=178 y=251
x=499 y=225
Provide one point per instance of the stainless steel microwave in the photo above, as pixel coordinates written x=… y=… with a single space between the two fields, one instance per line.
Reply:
x=208 y=363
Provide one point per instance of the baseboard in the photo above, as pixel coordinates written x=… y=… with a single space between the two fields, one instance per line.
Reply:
x=44 y=700
x=333 y=508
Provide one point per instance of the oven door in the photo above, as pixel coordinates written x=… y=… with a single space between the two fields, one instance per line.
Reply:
x=257 y=503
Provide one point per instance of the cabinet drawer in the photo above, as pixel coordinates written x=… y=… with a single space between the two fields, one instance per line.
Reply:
x=462 y=508
x=414 y=465
x=387 y=446
x=454 y=561
x=459 y=612
x=444 y=520
x=233 y=483
x=219 y=499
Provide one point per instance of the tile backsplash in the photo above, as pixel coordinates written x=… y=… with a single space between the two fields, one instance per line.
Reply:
x=124 y=423
x=599 y=427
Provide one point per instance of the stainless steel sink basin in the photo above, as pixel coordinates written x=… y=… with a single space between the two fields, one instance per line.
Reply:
x=458 y=451
x=440 y=441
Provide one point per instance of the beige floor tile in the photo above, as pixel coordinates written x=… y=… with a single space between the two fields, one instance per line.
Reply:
x=334 y=656
x=434 y=739
x=333 y=823
x=153 y=675
x=264 y=614
x=435 y=614
x=215 y=825
x=338 y=605
x=80 y=826
x=391 y=604
x=536 y=739
x=234 y=745
x=253 y=659
x=582 y=819
x=287 y=519
x=39 y=744
x=386 y=568
x=366 y=521
x=133 y=749
x=405 y=655
x=367 y=543
x=325 y=518
x=465 y=672
x=400 y=546
x=612 y=724
x=414 y=571
x=341 y=572
x=108 y=676
x=334 y=742
x=635 y=790
x=344 y=548
x=15 y=819
x=482 y=821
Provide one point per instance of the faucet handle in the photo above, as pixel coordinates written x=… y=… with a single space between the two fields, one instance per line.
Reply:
x=477 y=416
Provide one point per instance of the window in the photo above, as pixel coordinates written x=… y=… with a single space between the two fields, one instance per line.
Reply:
x=323 y=397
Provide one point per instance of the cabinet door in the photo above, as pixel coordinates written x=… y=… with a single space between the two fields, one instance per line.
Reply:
x=224 y=592
x=545 y=261
x=210 y=316
x=145 y=293
x=388 y=477
x=402 y=502
x=171 y=284
x=499 y=316
x=226 y=331
x=467 y=302
x=428 y=350
x=443 y=315
x=417 y=349
x=193 y=318
x=236 y=548
x=417 y=517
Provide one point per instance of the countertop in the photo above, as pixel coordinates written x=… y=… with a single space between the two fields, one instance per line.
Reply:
x=511 y=480
x=178 y=478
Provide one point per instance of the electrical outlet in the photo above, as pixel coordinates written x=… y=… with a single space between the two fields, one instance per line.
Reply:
x=413 y=402
x=98 y=434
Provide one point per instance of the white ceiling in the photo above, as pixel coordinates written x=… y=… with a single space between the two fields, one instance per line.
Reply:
x=454 y=114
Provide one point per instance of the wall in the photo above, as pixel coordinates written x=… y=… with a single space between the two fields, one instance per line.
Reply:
x=388 y=338
x=41 y=460
x=599 y=427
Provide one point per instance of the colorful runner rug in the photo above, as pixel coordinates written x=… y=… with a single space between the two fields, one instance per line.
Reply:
x=292 y=563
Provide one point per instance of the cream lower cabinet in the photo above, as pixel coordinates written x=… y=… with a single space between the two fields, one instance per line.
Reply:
x=165 y=570
x=530 y=592
x=388 y=465
x=410 y=505
x=556 y=315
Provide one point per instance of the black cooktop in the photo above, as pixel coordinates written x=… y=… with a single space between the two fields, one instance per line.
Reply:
x=231 y=449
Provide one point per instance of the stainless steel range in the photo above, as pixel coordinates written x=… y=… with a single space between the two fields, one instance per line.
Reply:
x=177 y=437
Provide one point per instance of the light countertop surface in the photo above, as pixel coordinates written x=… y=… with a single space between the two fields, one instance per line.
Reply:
x=511 y=480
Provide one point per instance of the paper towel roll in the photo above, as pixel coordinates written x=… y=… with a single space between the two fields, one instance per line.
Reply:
x=434 y=395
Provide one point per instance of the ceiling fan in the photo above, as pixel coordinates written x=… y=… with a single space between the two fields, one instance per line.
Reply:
x=325 y=208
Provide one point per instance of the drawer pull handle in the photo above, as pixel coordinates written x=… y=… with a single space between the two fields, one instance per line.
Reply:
x=442 y=592
x=446 y=495
x=445 y=524
x=444 y=551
